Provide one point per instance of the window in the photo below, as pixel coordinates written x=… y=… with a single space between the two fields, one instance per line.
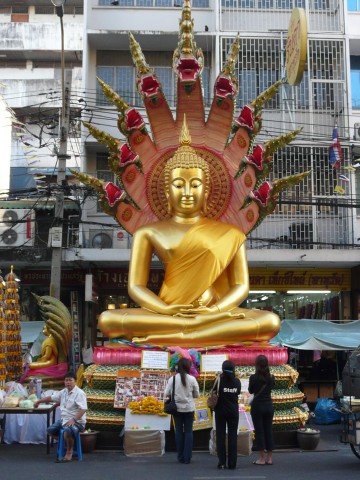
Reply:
x=103 y=173
x=168 y=83
x=120 y=79
x=102 y=168
x=155 y=3
x=355 y=81
x=357 y=186
x=354 y=5
x=258 y=67
x=164 y=3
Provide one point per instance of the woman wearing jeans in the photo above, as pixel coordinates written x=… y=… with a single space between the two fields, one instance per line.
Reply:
x=186 y=389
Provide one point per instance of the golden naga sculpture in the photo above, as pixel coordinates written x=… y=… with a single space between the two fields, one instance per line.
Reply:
x=57 y=329
x=190 y=193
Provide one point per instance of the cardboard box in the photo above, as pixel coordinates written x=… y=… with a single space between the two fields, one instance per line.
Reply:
x=147 y=422
x=244 y=443
x=144 y=443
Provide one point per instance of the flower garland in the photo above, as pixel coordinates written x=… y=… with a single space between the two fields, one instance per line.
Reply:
x=12 y=327
x=2 y=337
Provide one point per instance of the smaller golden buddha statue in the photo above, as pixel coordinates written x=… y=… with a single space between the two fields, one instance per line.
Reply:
x=49 y=352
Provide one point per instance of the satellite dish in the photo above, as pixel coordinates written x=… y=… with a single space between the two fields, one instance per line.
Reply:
x=101 y=240
x=9 y=237
x=10 y=217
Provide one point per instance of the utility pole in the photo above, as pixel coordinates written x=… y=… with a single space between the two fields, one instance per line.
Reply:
x=62 y=156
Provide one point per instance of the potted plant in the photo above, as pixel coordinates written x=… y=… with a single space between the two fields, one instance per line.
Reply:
x=308 y=438
x=88 y=440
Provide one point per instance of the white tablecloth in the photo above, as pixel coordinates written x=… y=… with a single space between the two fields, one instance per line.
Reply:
x=25 y=428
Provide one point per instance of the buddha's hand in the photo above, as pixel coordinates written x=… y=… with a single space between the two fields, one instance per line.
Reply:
x=174 y=310
x=195 y=311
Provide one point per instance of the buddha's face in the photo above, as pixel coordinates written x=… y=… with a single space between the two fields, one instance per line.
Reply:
x=187 y=191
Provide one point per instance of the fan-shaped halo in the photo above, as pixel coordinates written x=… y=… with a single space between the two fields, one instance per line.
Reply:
x=220 y=185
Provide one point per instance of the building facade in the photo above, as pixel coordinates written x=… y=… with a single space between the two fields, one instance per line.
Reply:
x=311 y=242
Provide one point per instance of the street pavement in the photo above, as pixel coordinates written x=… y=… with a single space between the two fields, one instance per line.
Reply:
x=332 y=460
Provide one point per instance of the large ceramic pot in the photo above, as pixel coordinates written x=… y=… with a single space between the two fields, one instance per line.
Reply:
x=88 y=441
x=308 y=438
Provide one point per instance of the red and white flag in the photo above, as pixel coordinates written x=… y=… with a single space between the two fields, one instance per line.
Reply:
x=335 y=153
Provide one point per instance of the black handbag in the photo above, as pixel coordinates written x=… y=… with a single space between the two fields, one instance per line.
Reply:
x=170 y=406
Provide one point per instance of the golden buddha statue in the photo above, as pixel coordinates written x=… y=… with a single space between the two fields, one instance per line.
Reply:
x=206 y=272
x=57 y=329
x=49 y=352
x=192 y=205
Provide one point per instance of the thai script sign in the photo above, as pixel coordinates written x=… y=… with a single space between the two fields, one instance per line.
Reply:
x=312 y=279
x=296 y=46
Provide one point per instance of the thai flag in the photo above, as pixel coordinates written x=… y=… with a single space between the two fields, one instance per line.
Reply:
x=335 y=153
x=343 y=178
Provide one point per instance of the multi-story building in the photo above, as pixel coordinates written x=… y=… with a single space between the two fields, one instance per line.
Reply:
x=311 y=242
x=31 y=83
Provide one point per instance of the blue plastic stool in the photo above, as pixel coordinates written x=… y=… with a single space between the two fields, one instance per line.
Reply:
x=61 y=450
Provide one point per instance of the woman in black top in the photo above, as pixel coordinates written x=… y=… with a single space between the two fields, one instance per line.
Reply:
x=227 y=413
x=262 y=409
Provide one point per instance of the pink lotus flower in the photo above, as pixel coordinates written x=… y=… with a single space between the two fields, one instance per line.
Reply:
x=256 y=158
x=246 y=118
x=113 y=193
x=126 y=155
x=134 y=120
x=262 y=194
x=149 y=86
x=188 y=70
x=224 y=87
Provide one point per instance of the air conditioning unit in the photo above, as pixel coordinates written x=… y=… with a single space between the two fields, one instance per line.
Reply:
x=16 y=227
x=357 y=131
x=108 y=238
x=101 y=238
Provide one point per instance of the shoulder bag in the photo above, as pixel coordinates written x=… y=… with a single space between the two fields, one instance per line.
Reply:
x=254 y=395
x=170 y=406
x=214 y=394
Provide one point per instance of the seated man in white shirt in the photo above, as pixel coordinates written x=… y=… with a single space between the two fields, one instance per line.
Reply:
x=73 y=407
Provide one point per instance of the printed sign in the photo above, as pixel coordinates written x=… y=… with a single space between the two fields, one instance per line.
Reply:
x=155 y=360
x=212 y=363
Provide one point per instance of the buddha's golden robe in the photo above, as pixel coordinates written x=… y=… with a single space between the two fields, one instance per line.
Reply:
x=205 y=251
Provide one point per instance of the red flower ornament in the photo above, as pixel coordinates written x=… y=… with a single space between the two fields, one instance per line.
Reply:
x=188 y=70
x=113 y=193
x=126 y=155
x=149 y=86
x=246 y=118
x=134 y=120
x=256 y=158
x=224 y=87
x=262 y=194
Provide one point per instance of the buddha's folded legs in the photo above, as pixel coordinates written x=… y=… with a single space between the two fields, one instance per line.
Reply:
x=140 y=325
